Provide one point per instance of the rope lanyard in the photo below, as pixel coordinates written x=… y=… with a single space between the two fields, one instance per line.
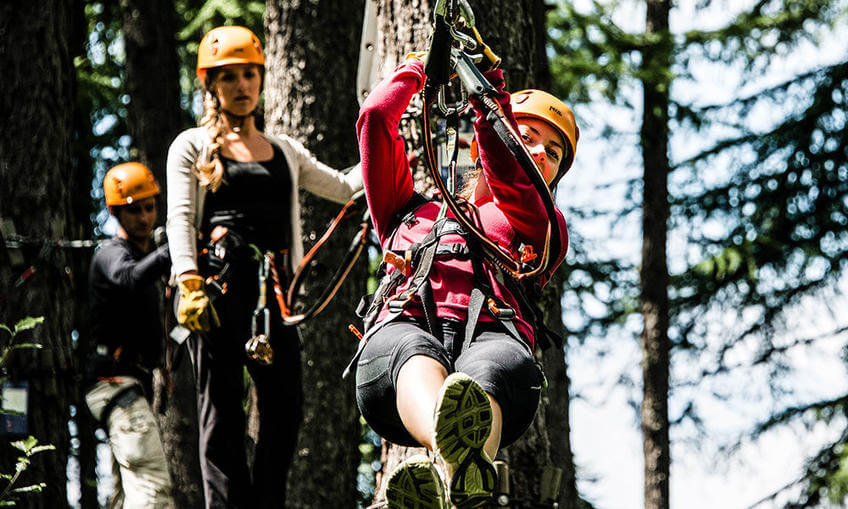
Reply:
x=287 y=297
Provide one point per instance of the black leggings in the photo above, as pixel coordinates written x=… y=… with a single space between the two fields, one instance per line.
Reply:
x=503 y=366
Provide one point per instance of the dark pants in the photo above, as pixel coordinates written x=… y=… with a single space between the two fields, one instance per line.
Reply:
x=219 y=360
x=502 y=365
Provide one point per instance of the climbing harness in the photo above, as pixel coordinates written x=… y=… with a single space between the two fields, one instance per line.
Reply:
x=226 y=246
x=519 y=274
x=287 y=301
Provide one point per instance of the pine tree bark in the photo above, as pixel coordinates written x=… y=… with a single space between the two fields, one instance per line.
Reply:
x=505 y=25
x=311 y=52
x=654 y=271
x=82 y=208
x=36 y=166
x=152 y=82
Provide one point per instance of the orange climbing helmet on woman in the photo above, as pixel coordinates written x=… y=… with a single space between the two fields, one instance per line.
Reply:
x=228 y=45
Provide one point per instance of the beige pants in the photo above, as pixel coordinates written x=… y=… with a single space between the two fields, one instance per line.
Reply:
x=139 y=468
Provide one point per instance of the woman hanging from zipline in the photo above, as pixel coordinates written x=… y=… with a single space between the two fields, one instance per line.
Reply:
x=448 y=362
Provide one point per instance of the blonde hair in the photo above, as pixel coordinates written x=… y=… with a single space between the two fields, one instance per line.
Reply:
x=210 y=172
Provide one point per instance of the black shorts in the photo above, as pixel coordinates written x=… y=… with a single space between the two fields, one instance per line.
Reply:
x=502 y=365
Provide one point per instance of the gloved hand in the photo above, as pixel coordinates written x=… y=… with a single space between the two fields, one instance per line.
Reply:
x=195 y=311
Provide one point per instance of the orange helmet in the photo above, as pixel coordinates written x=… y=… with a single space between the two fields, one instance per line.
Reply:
x=228 y=45
x=127 y=183
x=544 y=106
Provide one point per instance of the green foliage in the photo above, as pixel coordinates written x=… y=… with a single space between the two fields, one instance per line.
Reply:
x=101 y=98
x=771 y=28
x=369 y=449
x=592 y=57
x=200 y=17
x=28 y=446
x=762 y=206
x=23 y=325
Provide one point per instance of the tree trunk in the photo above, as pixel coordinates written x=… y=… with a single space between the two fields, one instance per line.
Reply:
x=504 y=24
x=556 y=398
x=36 y=166
x=403 y=27
x=152 y=82
x=311 y=53
x=85 y=447
x=654 y=271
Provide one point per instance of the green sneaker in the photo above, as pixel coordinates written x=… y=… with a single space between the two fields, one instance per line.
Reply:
x=415 y=484
x=463 y=423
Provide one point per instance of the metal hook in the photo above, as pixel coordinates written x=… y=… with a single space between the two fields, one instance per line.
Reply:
x=466 y=42
x=456 y=108
x=258 y=347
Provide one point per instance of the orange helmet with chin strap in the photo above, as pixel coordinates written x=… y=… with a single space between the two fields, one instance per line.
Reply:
x=128 y=183
x=544 y=106
x=228 y=45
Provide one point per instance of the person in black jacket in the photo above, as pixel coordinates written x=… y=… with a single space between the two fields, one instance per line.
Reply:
x=127 y=335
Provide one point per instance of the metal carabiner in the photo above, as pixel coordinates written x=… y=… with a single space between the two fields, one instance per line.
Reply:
x=457 y=108
x=258 y=347
x=453 y=10
x=466 y=42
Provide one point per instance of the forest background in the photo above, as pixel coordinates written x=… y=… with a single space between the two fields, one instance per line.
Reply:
x=707 y=209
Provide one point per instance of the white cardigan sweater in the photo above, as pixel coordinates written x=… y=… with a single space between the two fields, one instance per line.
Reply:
x=186 y=195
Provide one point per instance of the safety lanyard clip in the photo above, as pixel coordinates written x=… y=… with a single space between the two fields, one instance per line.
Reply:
x=258 y=347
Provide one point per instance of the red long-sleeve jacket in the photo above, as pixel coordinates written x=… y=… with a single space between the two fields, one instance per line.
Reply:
x=512 y=216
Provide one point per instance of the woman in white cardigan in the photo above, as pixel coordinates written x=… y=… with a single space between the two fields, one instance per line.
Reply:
x=234 y=190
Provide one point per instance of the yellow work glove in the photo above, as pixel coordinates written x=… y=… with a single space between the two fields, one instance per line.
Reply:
x=195 y=311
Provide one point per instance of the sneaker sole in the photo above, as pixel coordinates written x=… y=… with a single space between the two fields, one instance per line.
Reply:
x=463 y=424
x=415 y=484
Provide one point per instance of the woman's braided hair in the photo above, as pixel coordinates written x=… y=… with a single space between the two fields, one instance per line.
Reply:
x=210 y=172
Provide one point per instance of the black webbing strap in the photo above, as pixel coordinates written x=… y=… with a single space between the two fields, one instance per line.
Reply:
x=480 y=294
x=425 y=292
x=425 y=255
x=475 y=305
x=545 y=337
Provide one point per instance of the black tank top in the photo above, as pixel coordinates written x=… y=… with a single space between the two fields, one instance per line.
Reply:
x=253 y=201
